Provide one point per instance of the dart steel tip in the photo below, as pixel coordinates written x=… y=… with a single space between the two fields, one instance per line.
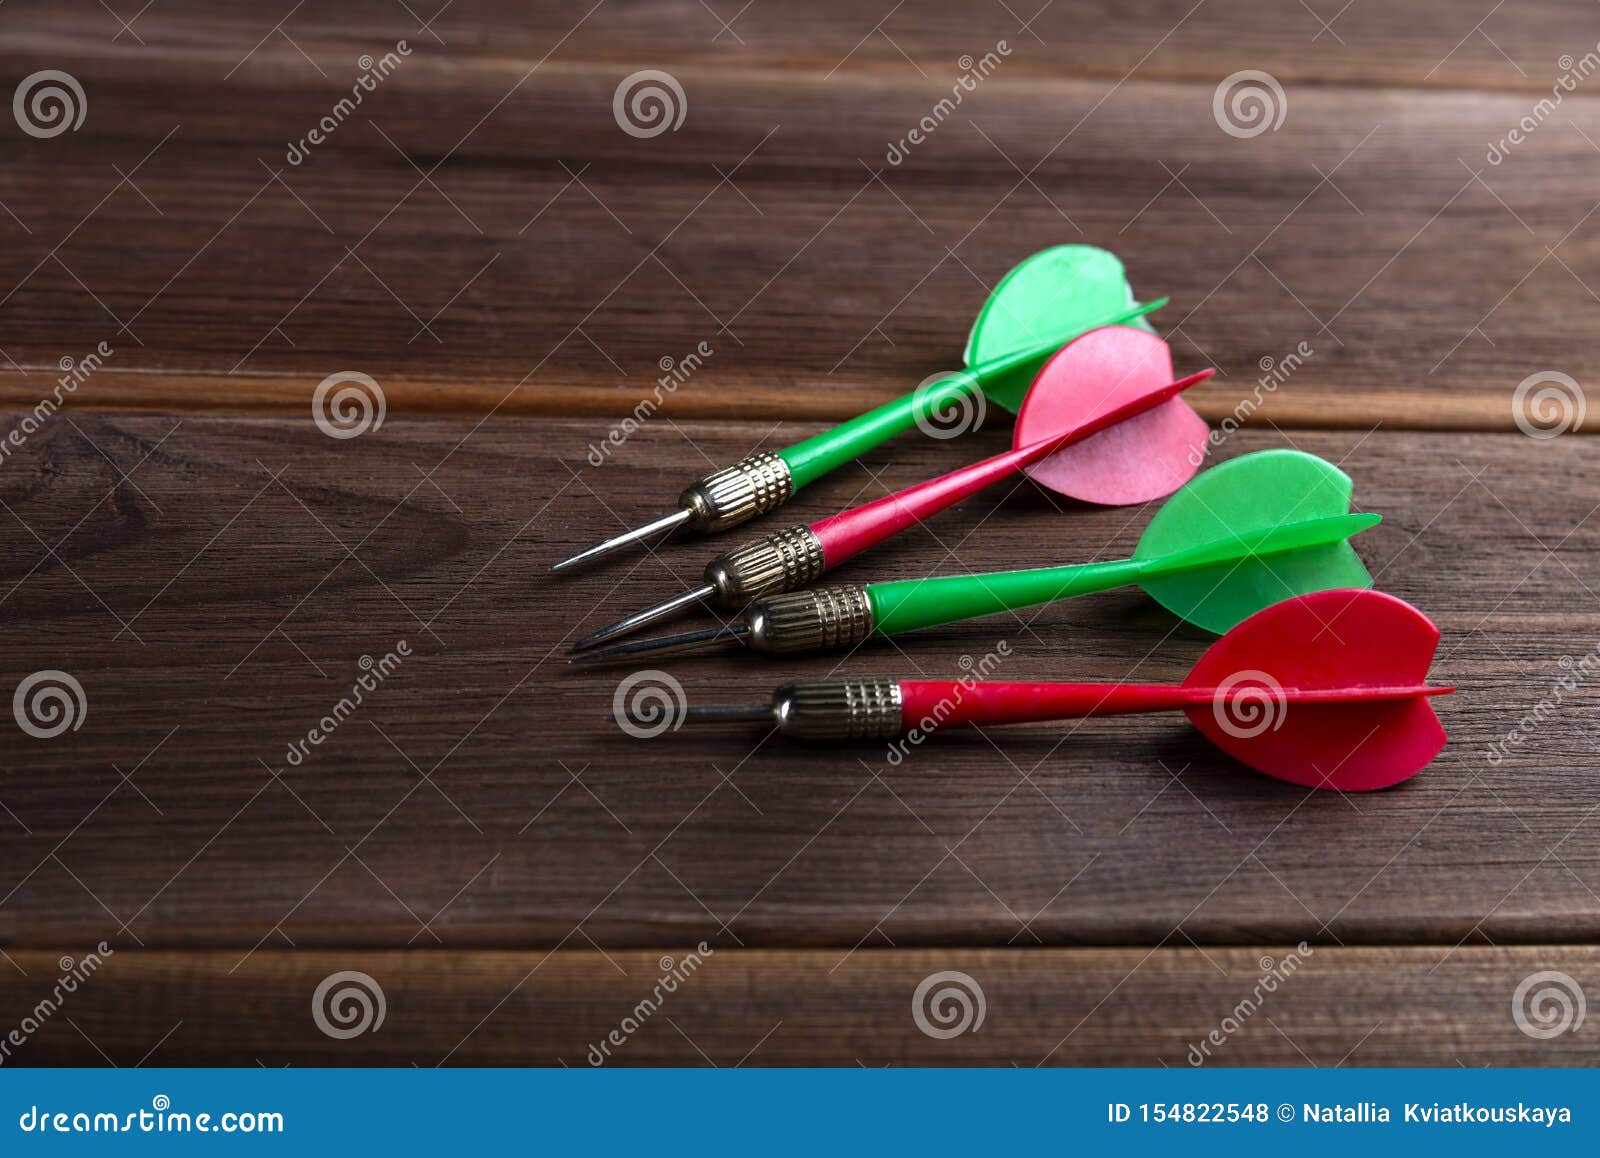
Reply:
x=724 y=498
x=640 y=618
x=685 y=641
x=714 y=713
x=617 y=542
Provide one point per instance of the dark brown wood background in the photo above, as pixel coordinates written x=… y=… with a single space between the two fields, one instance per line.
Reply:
x=483 y=239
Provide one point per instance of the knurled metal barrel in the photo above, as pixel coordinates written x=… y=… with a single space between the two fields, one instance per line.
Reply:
x=735 y=494
x=824 y=617
x=859 y=709
x=775 y=562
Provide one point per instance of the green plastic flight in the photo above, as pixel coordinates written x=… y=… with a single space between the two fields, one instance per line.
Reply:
x=1067 y=286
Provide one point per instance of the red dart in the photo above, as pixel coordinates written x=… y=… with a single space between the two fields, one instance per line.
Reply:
x=1327 y=690
x=1102 y=423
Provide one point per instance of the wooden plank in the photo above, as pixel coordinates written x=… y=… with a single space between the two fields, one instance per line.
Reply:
x=550 y=261
x=1439 y=43
x=1277 y=1005
x=214 y=616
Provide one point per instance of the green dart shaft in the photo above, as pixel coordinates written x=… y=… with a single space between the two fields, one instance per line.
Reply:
x=816 y=456
x=916 y=603
x=911 y=604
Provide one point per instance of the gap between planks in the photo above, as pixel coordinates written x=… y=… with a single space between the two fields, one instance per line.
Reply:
x=1310 y=405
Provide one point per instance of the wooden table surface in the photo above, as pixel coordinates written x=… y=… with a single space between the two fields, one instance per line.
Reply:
x=513 y=270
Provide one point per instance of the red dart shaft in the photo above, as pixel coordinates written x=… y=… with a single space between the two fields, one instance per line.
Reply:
x=951 y=702
x=851 y=532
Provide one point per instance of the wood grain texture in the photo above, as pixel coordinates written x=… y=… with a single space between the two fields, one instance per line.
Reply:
x=215 y=604
x=1442 y=43
x=481 y=237
x=1146 y=1007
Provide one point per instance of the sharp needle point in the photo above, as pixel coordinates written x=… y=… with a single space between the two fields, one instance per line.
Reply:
x=649 y=615
x=687 y=641
x=716 y=713
x=732 y=713
x=665 y=523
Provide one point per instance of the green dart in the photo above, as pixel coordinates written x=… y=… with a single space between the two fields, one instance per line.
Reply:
x=1037 y=308
x=1242 y=536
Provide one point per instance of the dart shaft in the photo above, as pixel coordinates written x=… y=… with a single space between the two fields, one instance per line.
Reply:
x=822 y=453
x=917 y=603
x=851 y=532
x=951 y=703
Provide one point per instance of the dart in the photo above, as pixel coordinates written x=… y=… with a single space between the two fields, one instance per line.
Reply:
x=1326 y=690
x=1103 y=423
x=1049 y=299
x=1233 y=541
